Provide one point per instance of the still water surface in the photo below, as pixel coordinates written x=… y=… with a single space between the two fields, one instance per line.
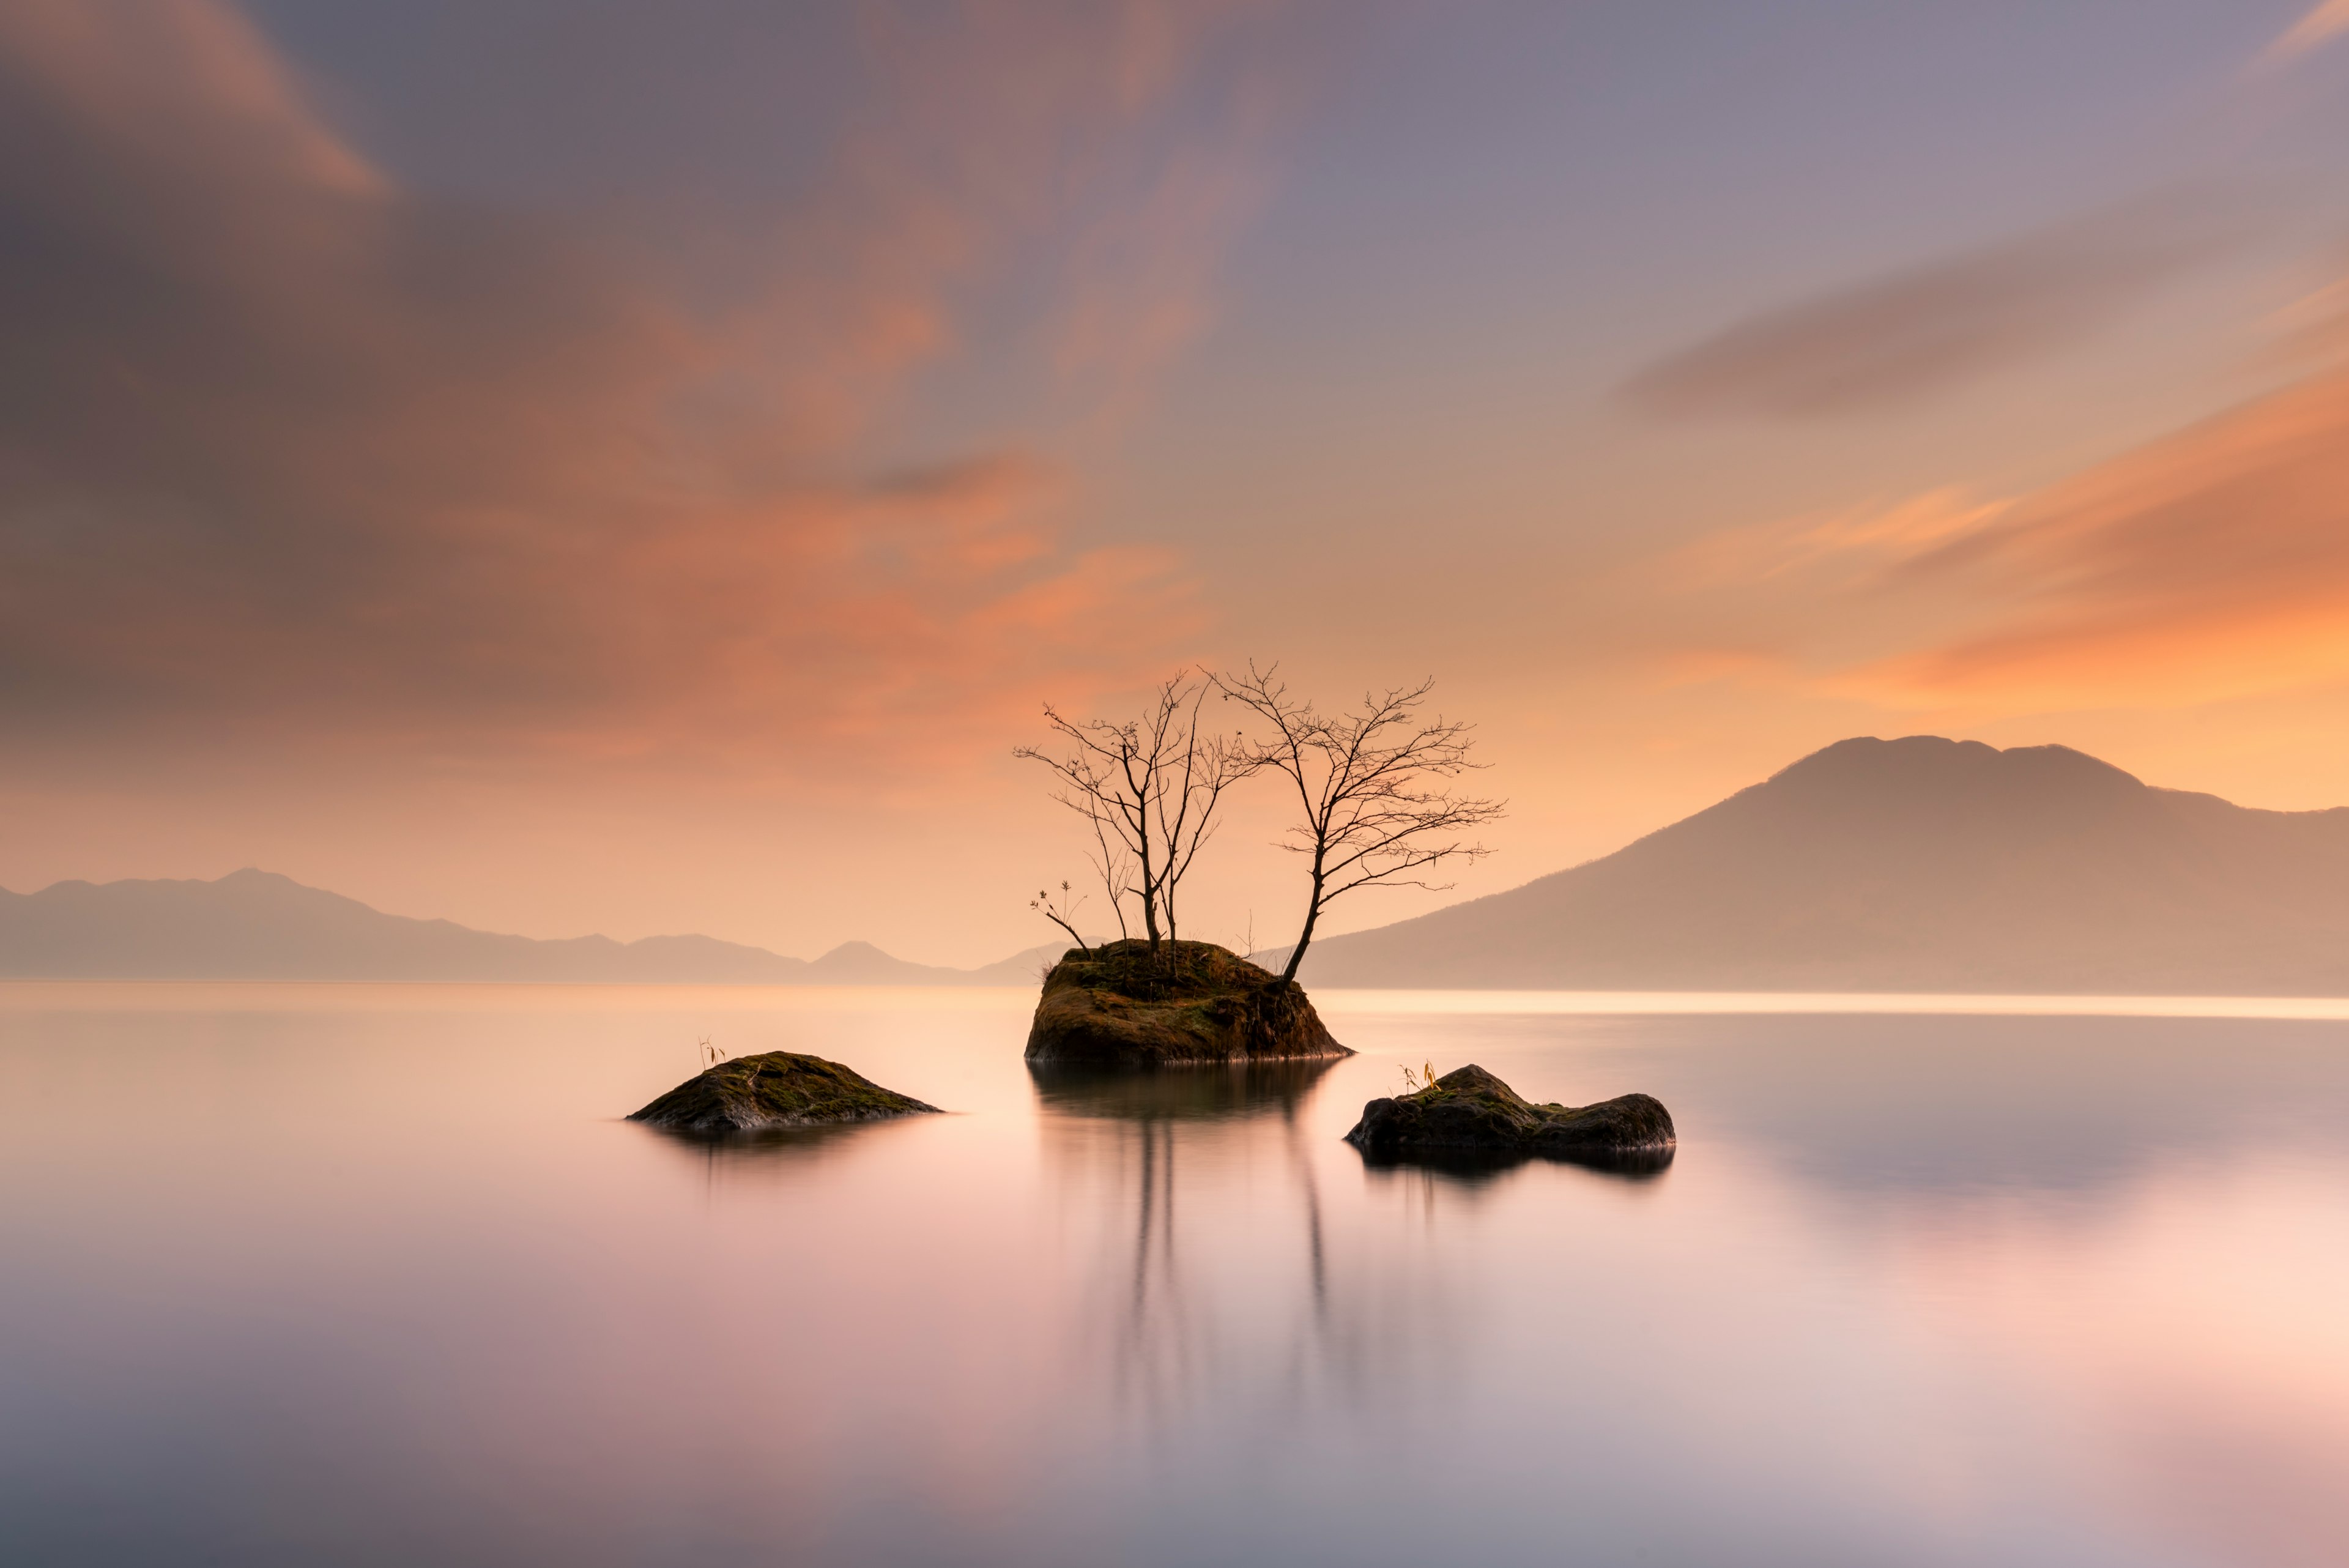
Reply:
x=303 y=1275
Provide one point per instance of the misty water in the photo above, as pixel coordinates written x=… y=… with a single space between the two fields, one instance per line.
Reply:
x=376 y=1275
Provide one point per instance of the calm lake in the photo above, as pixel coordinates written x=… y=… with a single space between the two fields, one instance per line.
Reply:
x=317 y=1274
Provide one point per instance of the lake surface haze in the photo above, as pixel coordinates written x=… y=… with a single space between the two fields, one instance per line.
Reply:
x=308 y=1274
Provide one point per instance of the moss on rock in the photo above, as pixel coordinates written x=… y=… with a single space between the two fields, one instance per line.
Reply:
x=778 y=1089
x=1120 y=1004
x=1470 y=1110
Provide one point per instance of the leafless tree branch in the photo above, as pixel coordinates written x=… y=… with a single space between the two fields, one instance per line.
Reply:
x=1376 y=806
x=1149 y=790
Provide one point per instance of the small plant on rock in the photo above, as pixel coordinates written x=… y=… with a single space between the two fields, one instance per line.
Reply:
x=1060 y=912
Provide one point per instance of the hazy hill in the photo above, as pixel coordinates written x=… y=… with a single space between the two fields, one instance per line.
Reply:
x=1915 y=865
x=1912 y=865
x=255 y=925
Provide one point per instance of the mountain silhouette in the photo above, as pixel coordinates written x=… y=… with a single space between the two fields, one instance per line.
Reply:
x=1919 y=863
x=257 y=925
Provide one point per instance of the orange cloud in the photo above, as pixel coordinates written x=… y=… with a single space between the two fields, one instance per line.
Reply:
x=287 y=451
x=2213 y=564
x=1854 y=542
x=145 y=73
x=2327 y=22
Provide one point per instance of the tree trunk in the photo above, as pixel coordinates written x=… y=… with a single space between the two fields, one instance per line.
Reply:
x=1312 y=914
x=1149 y=899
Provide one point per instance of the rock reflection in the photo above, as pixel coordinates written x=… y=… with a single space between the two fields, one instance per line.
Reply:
x=1473 y=1168
x=1178 y=1094
x=1246 y=1300
x=774 y=1154
x=1921 y=1108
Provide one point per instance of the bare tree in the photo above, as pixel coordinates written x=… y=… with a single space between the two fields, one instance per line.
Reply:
x=1199 y=773
x=1114 y=866
x=1373 y=787
x=1111 y=774
x=1149 y=789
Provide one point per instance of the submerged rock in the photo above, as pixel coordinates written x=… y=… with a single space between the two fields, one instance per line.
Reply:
x=779 y=1089
x=1470 y=1110
x=1121 y=1005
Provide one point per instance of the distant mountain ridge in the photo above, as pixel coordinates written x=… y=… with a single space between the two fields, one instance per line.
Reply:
x=257 y=925
x=1919 y=863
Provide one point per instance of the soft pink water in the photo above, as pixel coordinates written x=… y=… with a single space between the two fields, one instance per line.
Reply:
x=359 y=1275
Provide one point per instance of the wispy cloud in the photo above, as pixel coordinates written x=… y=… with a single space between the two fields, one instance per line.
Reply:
x=1855 y=544
x=1908 y=336
x=2209 y=564
x=2213 y=563
x=287 y=448
x=2327 y=22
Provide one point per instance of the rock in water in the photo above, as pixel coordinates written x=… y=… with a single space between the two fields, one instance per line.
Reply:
x=1470 y=1110
x=1121 y=1005
x=779 y=1089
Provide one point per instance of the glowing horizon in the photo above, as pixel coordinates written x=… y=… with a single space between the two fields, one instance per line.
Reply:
x=642 y=471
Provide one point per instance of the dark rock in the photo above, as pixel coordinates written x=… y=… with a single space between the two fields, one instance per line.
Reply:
x=1119 y=1004
x=1470 y=1110
x=779 y=1089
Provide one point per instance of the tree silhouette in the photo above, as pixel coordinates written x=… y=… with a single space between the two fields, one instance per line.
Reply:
x=1373 y=786
x=1149 y=788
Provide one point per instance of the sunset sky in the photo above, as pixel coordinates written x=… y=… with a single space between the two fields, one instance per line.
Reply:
x=642 y=467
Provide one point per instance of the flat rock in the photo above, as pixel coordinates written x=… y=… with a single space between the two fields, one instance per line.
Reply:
x=1121 y=1005
x=778 y=1089
x=1471 y=1110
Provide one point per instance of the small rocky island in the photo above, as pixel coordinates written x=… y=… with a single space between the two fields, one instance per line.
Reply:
x=778 y=1089
x=1124 y=1004
x=1470 y=1111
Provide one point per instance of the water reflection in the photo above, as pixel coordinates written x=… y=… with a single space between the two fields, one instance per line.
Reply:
x=1968 y=1293
x=1929 y=1106
x=1475 y=1167
x=1185 y=1307
x=1945 y=1107
x=1178 y=1094
x=766 y=1158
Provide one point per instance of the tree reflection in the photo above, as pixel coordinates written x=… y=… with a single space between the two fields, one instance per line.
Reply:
x=1178 y=1094
x=1255 y=1303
